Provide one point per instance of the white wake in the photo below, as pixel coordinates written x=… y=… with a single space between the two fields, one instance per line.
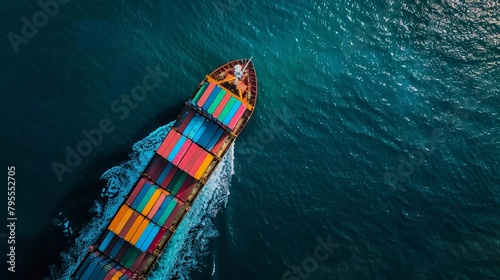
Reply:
x=189 y=242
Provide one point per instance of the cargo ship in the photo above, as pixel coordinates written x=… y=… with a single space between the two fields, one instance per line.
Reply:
x=135 y=238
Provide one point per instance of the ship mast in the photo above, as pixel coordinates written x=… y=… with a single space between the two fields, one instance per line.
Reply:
x=247 y=63
x=238 y=72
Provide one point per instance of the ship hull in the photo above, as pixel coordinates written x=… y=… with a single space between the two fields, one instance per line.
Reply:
x=213 y=117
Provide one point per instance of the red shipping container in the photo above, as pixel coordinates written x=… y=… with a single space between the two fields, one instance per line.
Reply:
x=156 y=163
x=184 y=192
x=182 y=152
x=145 y=262
x=186 y=121
x=128 y=225
x=174 y=214
x=185 y=185
x=187 y=157
x=138 y=261
x=169 y=177
x=198 y=163
x=221 y=105
x=136 y=191
x=237 y=116
x=206 y=94
x=156 y=206
x=166 y=141
x=194 y=158
x=110 y=274
x=166 y=151
x=161 y=166
x=111 y=245
x=122 y=251
x=157 y=239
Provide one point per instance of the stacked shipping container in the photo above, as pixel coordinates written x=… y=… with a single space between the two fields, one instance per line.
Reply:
x=98 y=266
x=148 y=217
x=185 y=154
x=226 y=108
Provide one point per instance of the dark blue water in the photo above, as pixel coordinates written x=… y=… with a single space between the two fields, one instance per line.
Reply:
x=376 y=131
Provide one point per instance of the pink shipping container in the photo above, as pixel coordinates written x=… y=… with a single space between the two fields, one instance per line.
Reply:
x=156 y=206
x=168 y=148
x=193 y=159
x=197 y=164
x=237 y=116
x=182 y=152
x=206 y=94
x=189 y=154
x=170 y=136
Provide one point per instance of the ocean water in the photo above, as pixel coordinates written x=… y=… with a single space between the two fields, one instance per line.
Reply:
x=373 y=152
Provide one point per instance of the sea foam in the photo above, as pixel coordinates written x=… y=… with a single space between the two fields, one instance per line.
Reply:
x=189 y=242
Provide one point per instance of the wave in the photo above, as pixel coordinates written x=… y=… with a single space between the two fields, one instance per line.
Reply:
x=190 y=241
x=191 y=238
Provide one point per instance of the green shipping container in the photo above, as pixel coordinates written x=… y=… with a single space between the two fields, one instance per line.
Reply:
x=216 y=102
x=167 y=212
x=132 y=257
x=200 y=92
x=179 y=183
x=146 y=199
x=227 y=108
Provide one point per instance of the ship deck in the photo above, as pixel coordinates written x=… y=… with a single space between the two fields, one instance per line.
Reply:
x=136 y=237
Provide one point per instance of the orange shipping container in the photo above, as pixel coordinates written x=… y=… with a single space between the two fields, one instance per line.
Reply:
x=128 y=224
x=139 y=231
x=151 y=202
x=118 y=217
x=134 y=228
x=157 y=205
x=123 y=221
x=198 y=163
x=204 y=166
